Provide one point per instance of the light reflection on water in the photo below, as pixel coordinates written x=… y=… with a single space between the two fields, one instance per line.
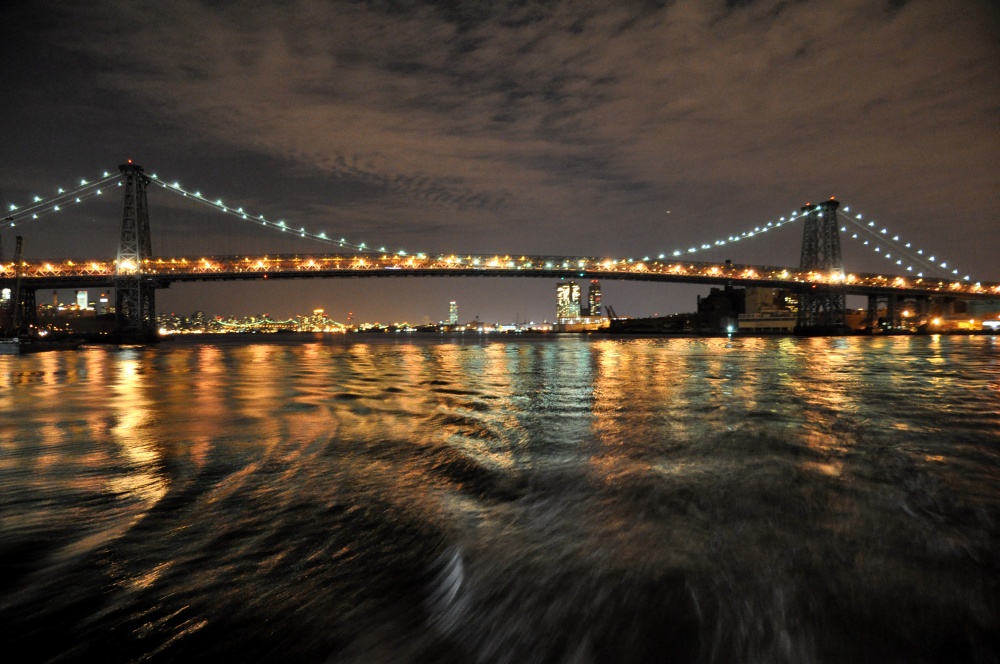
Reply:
x=563 y=499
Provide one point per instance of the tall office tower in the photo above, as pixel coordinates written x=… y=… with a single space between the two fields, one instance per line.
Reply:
x=594 y=298
x=81 y=299
x=453 y=313
x=318 y=319
x=568 y=300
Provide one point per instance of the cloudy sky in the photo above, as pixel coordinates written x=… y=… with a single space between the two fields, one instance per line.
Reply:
x=616 y=129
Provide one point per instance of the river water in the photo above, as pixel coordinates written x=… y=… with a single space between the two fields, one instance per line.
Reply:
x=392 y=498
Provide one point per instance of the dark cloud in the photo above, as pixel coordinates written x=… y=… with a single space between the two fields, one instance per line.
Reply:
x=539 y=127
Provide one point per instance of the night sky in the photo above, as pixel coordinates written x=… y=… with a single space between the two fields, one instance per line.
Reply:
x=618 y=129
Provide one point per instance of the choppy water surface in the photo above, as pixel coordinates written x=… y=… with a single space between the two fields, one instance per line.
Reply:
x=556 y=500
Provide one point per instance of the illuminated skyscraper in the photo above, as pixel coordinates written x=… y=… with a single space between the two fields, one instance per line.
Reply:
x=318 y=320
x=81 y=299
x=453 y=313
x=594 y=298
x=568 y=300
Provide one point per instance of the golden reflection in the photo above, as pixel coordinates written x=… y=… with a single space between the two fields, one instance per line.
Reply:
x=250 y=390
x=830 y=469
x=133 y=408
x=826 y=384
x=631 y=372
x=451 y=379
x=54 y=376
x=147 y=579
x=205 y=408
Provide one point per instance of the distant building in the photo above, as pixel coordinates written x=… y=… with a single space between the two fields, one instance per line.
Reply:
x=568 y=300
x=768 y=310
x=719 y=310
x=317 y=322
x=983 y=307
x=81 y=299
x=453 y=313
x=769 y=319
x=758 y=299
x=594 y=298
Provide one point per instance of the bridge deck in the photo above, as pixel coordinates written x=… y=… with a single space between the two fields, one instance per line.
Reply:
x=166 y=270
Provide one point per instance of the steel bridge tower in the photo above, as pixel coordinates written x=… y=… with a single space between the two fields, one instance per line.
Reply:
x=135 y=308
x=822 y=306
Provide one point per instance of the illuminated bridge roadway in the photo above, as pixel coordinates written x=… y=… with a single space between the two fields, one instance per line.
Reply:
x=161 y=272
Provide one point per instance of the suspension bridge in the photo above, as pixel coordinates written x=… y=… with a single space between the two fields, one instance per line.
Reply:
x=136 y=273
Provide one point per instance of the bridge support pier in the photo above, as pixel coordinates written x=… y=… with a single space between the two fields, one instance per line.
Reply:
x=871 y=316
x=896 y=312
x=892 y=311
x=891 y=320
x=822 y=308
x=135 y=301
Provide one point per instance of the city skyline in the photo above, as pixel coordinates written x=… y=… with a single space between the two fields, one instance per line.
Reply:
x=100 y=301
x=577 y=128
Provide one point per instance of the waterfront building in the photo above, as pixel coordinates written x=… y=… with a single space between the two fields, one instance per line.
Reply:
x=453 y=313
x=568 y=300
x=768 y=319
x=594 y=298
x=759 y=298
